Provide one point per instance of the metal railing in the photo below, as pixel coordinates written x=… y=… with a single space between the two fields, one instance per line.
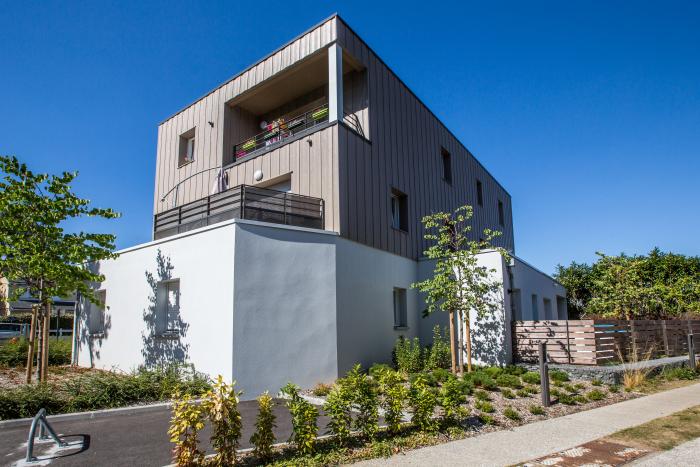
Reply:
x=278 y=131
x=353 y=121
x=40 y=419
x=242 y=202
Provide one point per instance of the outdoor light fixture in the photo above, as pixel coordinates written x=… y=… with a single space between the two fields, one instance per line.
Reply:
x=258 y=175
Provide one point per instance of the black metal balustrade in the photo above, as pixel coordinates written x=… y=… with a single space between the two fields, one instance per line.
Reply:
x=280 y=130
x=242 y=202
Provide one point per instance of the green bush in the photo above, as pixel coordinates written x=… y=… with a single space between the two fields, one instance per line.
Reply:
x=532 y=377
x=508 y=394
x=482 y=380
x=580 y=398
x=376 y=370
x=570 y=388
x=441 y=375
x=451 y=398
x=438 y=354
x=493 y=371
x=522 y=393
x=408 y=355
x=511 y=413
x=304 y=415
x=509 y=381
x=221 y=404
x=322 y=389
x=515 y=370
x=394 y=397
x=429 y=378
x=338 y=408
x=264 y=436
x=536 y=410
x=558 y=376
x=613 y=388
x=13 y=353
x=423 y=402
x=482 y=395
x=466 y=386
x=566 y=399
x=595 y=395
x=596 y=382
x=484 y=406
x=487 y=419
x=365 y=400
x=679 y=373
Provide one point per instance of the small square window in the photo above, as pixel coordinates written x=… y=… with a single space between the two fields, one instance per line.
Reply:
x=96 y=313
x=479 y=193
x=400 y=308
x=501 y=215
x=446 y=166
x=399 y=210
x=168 y=308
x=187 y=147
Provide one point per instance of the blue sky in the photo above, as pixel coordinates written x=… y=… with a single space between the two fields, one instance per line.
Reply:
x=587 y=112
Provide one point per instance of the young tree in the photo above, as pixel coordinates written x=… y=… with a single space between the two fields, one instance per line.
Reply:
x=459 y=284
x=35 y=250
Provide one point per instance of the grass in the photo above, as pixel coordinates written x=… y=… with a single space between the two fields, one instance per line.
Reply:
x=663 y=433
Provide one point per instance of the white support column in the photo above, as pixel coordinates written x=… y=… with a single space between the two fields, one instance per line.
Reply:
x=335 y=83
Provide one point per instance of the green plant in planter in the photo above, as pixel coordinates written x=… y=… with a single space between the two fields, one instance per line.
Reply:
x=423 y=401
x=509 y=381
x=364 y=397
x=338 y=408
x=395 y=395
x=264 y=437
x=451 y=398
x=304 y=415
x=531 y=377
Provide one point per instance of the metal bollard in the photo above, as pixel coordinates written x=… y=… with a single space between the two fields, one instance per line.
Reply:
x=691 y=353
x=544 y=375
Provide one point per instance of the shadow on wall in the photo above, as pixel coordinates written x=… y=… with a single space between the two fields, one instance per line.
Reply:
x=489 y=346
x=93 y=322
x=165 y=329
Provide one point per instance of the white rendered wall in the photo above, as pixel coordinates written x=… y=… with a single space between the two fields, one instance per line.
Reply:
x=528 y=281
x=203 y=262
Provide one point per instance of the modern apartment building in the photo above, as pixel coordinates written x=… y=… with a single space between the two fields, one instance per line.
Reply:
x=287 y=225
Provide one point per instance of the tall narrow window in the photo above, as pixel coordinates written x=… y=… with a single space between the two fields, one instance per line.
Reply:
x=446 y=166
x=479 y=193
x=535 y=311
x=548 y=309
x=399 y=210
x=96 y=313
x=168 y=307
x=400 y=308
x=501 y=216
x=186 y=150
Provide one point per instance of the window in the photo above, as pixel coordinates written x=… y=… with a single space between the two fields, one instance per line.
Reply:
x=168 y=307
x=516 y=306
x=399 y=210
x=96 y=313
x=561 y=308
x=187 y=147
x=400 y=309
x=446 y=166
x=535 y=313
x=501 y=216
x=548 y=309
x=479 y=193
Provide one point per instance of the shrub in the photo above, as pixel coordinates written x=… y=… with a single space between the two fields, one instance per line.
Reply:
x=596 y=382
x=579 y=386
x=264 y=437
x=536 y=410
x=484 y=406
x=466 y=386
x=531 y=389
x=482 y=395
x=581 y=399
x=185 y=424
x=514 y=370
x=438 y=355
x=451 y=398
x=395 y=395
x=613 y=388
x=571 y=389
x=493 y=371
x=429 y=378
x=595 y=395
x=558 y=376
x=511 y=413
x=483 y=380
x=509 y=381
x=532 y=377
x=338 y=408
x=508 y=394
x=566 y=399
x=441 y=375
x=423 y=402
x=364 y=397
x=304 y=415
x=376 y=370
x=408 y=355
x=13 y=353
x=321 y=389
x=487 y=419
x=522 y=393
x=679 y=373
x=221 y=403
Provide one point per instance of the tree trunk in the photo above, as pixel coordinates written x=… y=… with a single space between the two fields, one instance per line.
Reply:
x=468 y=338
x=452 y=342
x=30 y=350
x=40 y=341
x=460 y=345
x=45 y=351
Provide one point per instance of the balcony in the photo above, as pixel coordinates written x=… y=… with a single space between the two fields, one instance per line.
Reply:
x=242 y=202
x=279 y=130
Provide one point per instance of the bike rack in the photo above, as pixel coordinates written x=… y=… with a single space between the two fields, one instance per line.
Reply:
x=40 y=419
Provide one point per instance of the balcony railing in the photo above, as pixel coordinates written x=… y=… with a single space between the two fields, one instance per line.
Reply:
x=242 y=202
x=280 y=130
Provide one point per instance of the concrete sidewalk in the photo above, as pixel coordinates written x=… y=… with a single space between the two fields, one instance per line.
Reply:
x=539 y=439
x=684 y=455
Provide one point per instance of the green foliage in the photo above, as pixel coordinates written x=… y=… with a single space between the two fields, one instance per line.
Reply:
x=566 y=399
x=570 y=388
x=451 y=398
x=429 y=378
x=185 y=424
x=613 y=388
x=408 y=355
x=514 y=370
x=508 y=394
x=264 y=436
x=13 y=353
x=679 y=373
x=482 y=395
x=441 y=375
x=484 y=406
x=338 y=408
x=596 y=382
x=511 y=413
x=466 y=386
x=366 y=401
x=304 y=415
x=394 y=397
x=509 y=381
x=487 y=419
x=580 y=398
x=595 y=395
x=423 y=401
x=493 y=371
x=532 y=377
x=536 y=410
x=653 y=286
x=221 y=404
x=376 y=370
x=531 y=389
x=558 y=376
x=522 y=393
x=482 y=380
x=438 y=354
x=322 y=389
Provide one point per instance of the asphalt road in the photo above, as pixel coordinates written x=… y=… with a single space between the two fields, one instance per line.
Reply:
x=135 y=437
